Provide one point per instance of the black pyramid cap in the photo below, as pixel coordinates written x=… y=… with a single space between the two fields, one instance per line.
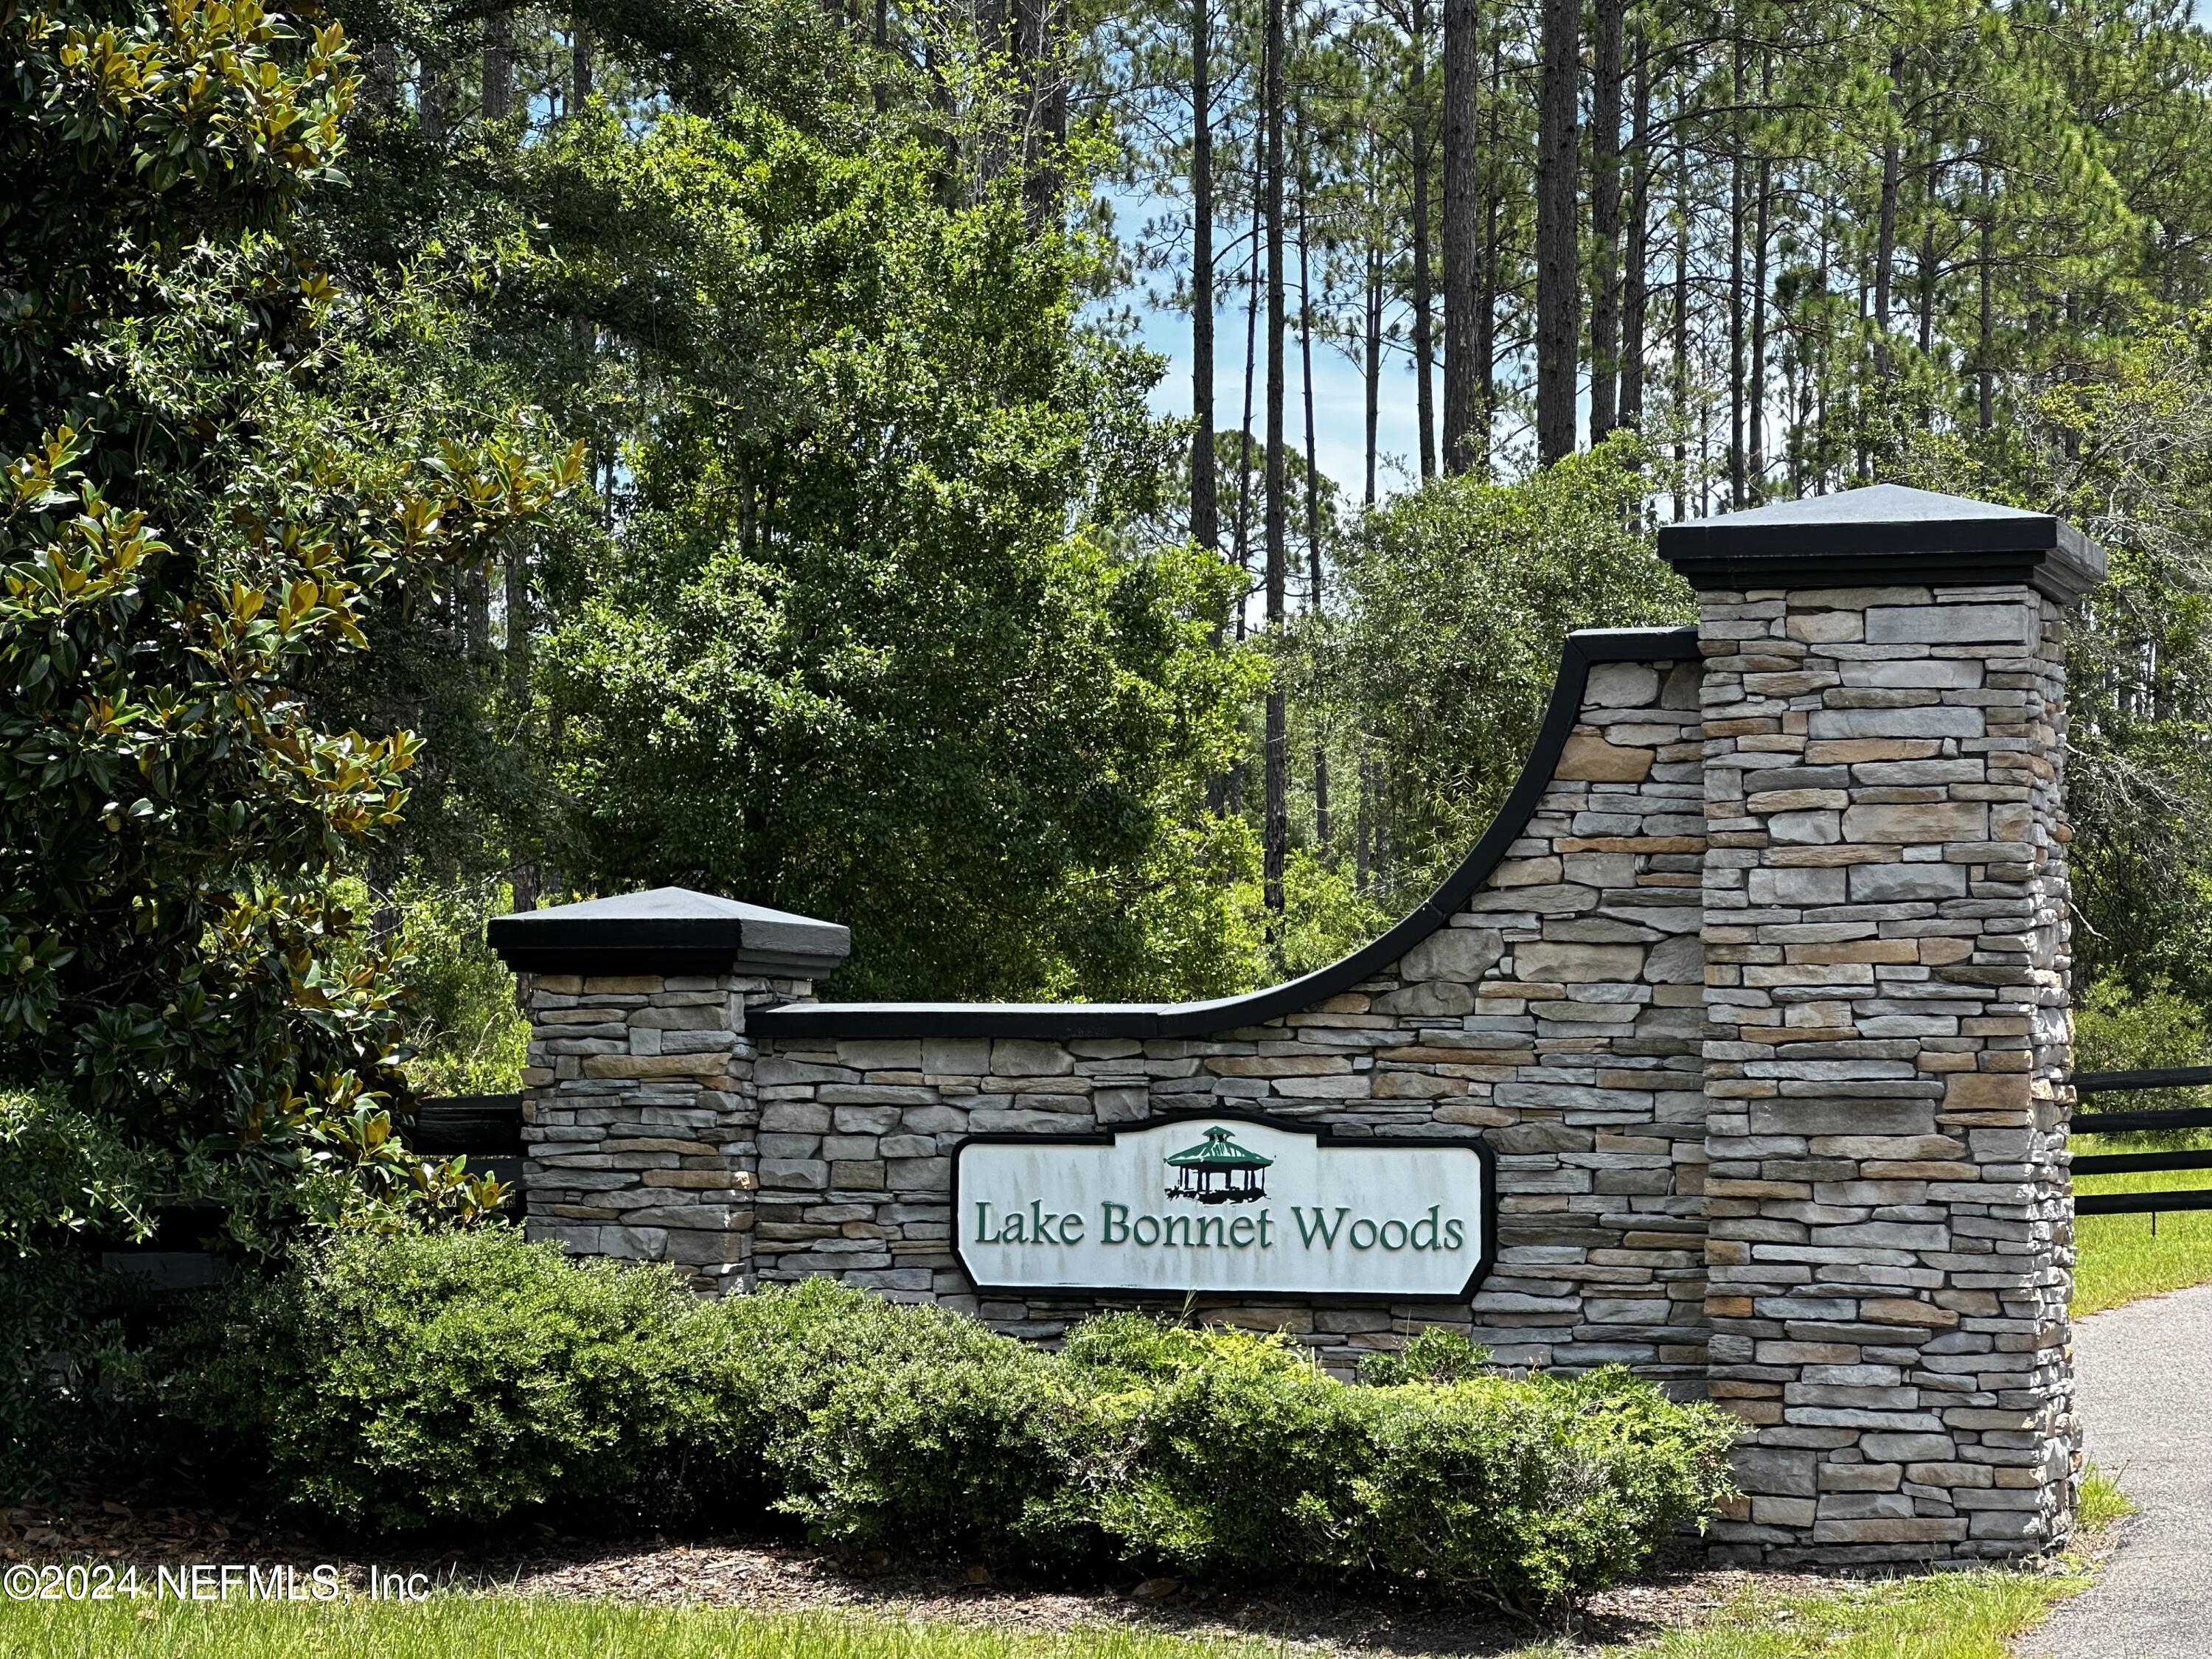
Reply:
x=669 y=930
x=1883 y=535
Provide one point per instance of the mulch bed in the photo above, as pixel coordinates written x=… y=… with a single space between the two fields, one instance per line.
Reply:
x=768 y=1576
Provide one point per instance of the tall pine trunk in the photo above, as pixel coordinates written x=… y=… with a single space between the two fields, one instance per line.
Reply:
x=1557 y=285
x=1604 y=214
x=1885 y=257
x=1424 y=352
x=498 y=66
x=1205 y=501
x=1374 y=362
x=1635 y=296
x=1681 y=389
x=579 y=69
x=1736 y=213
x=1761 y=227
x=1985 y=331
x=1462 y=207
x=1275 y=827
x=1313 y=481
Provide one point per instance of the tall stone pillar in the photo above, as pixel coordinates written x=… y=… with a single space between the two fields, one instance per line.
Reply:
x=1886 y=1040
x=640 y=1116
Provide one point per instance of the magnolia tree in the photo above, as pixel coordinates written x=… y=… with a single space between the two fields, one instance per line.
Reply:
x=205 y=497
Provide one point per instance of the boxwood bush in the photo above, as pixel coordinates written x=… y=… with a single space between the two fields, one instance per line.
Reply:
x=392 y=1384
x=395 y=1384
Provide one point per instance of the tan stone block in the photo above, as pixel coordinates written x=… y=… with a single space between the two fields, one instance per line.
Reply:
x=1942 y=1062
x=1865 y=949
x=1569 y=964
x=1277 y=1064
x=650 y=1066
x=1850 y=751
x=704 y=1180
x=1937 y=952
x=1918 y=823
x=1797 y=800
x=1985 y=1091
x=1904 y=1311
x=1826 y=627
x=616 y=985
x=1472 y=1114
x=1592 y=758
x=1525 y=872
x=1414 y=1085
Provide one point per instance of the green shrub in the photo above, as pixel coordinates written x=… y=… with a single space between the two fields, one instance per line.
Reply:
x=66 y=1361
x=64 y=1349
x=897 y=1427
x=394 y=1382
x=1236 y=1452
x=1221 y=1449
x=1435 y=1355
x=467 y=1031
x=1533 y=1492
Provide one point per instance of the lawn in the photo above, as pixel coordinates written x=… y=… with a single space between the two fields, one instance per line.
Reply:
x=2120 y=1258
x=1964 y=1615
x=1959 y=1615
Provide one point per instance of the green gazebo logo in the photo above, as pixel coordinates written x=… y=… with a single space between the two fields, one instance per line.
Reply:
x=1217 y=1171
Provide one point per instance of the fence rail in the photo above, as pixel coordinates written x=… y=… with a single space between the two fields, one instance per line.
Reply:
x=2086 y=1083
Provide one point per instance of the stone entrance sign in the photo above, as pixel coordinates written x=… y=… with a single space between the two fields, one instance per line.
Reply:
x=1225 y=1203
x=1754 y=995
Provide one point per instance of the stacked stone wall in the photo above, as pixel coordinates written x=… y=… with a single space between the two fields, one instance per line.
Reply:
x=1757 y=995
x=639 y=1120
x=1557 y=1013
x=1885 y=935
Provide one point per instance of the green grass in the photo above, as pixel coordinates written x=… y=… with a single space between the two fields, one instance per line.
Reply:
x=1951 y=1615
x=1962 y=1616
x=509 y=1627
x=2102 y=1500
x=2119 y=1259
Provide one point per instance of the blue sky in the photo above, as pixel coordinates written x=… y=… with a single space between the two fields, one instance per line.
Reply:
x=1339 y=390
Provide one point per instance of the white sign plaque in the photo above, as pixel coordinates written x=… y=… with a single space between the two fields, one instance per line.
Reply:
x=1225 y=1202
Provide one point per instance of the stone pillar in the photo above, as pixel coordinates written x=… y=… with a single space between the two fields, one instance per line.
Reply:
x=639 y=1110
x=1886 y=1040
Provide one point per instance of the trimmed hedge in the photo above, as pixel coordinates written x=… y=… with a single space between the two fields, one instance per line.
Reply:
x=395 y=1384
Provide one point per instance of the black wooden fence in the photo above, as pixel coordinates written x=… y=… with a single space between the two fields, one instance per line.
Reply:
x=2088 y=1084
x=487 y=1127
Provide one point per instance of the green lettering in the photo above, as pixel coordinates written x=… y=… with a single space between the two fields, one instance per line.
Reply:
x=1041 y=1222
x=1352 y=1237
x=1174 y=1222
x=1113 y=1223
x=1240 y=1231
x=1218 y=1225
x=1324 y=1230
x=1070 y=1228
x=1013 y=1232
x=1266 y=1217
x=1454 y=1234
x=984 y=1234
x=1430 y=1222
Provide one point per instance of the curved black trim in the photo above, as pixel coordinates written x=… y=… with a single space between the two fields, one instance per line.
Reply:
x=1104 y=1019
x=1321 y=1135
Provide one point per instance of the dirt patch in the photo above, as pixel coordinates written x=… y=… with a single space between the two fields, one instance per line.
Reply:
x=771 y=1577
